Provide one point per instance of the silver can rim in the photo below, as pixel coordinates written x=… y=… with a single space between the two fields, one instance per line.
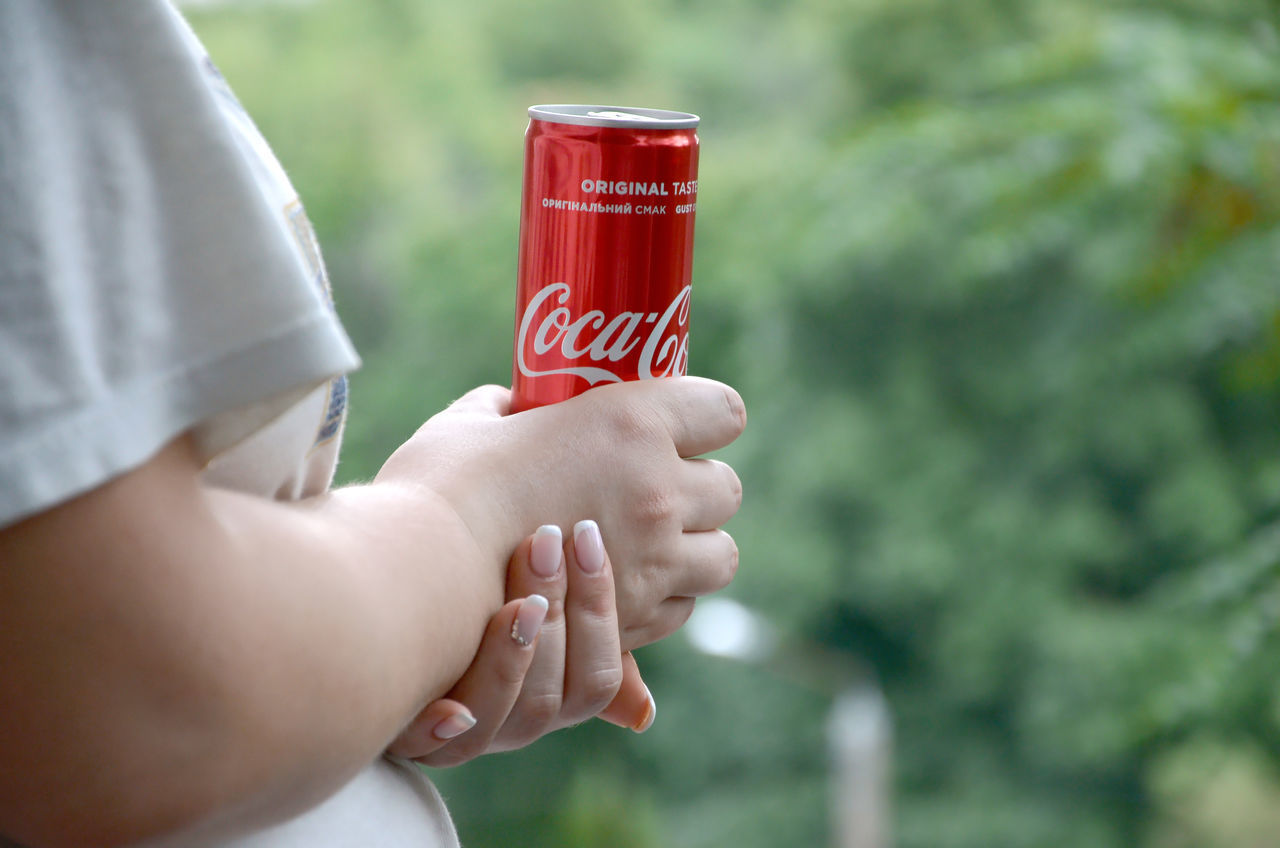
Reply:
x=614 y=116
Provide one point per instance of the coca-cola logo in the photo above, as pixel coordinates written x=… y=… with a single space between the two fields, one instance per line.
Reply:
x=596 y=337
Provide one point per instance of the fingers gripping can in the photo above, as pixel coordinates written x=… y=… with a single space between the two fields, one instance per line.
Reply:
x=606 y=249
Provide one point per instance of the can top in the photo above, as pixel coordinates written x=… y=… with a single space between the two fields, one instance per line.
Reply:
x=614 y=116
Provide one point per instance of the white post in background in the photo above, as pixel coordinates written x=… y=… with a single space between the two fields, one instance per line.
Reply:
x=861 y=734
x=859 y=729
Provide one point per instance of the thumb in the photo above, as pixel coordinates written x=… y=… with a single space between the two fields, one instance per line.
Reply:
x=633 y=706
x=483 y=401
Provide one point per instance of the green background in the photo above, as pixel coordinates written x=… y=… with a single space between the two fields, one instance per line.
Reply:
x=997 y=279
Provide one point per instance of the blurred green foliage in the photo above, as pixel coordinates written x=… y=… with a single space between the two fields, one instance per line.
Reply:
x=998 y=279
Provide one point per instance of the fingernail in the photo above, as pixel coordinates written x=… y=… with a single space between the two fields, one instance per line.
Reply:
x=650 y=713
x=546 y=550
x=529 y=620
x=588 y=545
x=455 y=725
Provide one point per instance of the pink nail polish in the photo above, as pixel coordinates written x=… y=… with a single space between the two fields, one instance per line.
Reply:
x=529 y=620
x=455 y=725
x=589 y=547
x=546 y=551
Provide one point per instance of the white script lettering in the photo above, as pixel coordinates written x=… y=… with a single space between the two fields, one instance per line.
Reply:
x=665 y=352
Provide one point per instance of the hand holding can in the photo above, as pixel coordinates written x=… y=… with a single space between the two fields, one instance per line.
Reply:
x=603 y=296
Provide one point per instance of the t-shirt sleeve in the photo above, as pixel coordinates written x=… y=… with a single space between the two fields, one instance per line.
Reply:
x=149 y=286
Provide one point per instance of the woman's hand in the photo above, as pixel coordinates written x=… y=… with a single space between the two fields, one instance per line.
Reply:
x=549 y=659
x=625 y=453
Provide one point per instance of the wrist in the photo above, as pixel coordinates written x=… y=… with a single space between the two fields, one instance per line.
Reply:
x=437 y=583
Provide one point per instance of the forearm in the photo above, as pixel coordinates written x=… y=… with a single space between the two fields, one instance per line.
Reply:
x=239 y=658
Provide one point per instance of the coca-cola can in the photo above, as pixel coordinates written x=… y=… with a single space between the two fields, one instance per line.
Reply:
x=606 y=249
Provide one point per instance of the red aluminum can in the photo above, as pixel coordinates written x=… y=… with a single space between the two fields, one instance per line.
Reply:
x=606 y=249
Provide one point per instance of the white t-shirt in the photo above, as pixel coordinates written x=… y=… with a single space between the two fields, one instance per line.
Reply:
x=158 y=276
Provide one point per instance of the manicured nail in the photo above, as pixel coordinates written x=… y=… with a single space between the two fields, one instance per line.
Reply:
x=546 y=551
x=650 y=713
x=455 y=725
x=529 y=620
x=588 y=545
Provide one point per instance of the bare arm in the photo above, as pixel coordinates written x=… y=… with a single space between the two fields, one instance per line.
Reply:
x=176 y=650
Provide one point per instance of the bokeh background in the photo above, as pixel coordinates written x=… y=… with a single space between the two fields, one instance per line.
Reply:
x=998 y=280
